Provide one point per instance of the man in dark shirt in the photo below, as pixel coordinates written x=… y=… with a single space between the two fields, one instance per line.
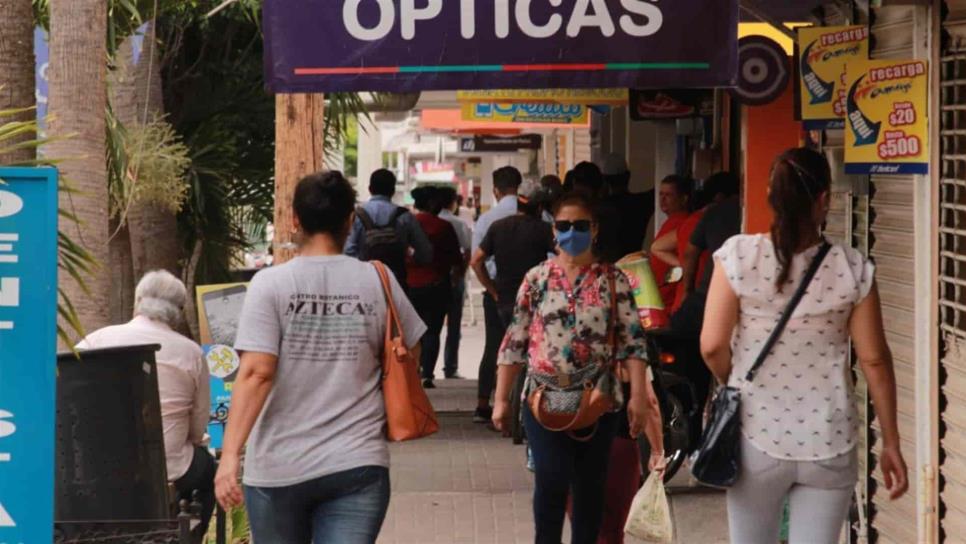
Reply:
x=517 y=243
x=632 y=211
x=430 y=285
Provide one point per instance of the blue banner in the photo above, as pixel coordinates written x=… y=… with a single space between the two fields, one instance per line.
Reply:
x=28 y=344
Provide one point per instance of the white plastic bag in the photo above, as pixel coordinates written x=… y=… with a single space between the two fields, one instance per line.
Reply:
x=650 y=516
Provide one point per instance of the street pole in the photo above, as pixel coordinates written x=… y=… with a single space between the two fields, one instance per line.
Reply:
x=299 y=137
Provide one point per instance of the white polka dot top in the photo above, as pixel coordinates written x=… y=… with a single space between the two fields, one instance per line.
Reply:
x=800 y=405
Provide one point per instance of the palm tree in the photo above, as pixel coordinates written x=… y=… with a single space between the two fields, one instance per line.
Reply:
x=17 y=71
x=78 y=100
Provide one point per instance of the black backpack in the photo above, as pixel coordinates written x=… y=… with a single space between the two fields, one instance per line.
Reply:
x=383 y=243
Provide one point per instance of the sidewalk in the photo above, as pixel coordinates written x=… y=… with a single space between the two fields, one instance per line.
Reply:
x=469 y=485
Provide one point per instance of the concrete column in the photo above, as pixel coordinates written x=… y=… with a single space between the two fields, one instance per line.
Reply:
x=618 y=130
x=641 y=154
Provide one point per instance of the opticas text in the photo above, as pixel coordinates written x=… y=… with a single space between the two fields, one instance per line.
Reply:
x=638 y=18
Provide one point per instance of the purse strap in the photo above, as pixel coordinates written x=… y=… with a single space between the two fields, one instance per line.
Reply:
x=612 y=332
x=789 y=310
x=393 y=327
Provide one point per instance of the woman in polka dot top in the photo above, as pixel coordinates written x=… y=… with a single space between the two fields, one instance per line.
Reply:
x=798 y=417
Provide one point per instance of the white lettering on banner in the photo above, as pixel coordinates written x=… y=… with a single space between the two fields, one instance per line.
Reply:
x=10 y=204
x=655 y=19
x=7 y=428
x=350 y=16
x=468 y=19
x=8 y=248
x=409 y=14
x=532 y=29
x=600 y=18
x=640 y=18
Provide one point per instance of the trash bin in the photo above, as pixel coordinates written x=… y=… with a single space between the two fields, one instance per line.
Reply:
x=109 y=444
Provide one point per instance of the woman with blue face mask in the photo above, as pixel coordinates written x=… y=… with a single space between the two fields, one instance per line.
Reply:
x=575 y=322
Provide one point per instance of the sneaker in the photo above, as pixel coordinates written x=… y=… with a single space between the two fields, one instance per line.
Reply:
x=454 y=376
x=483 y=415
x=428 y=384
x=531 y=466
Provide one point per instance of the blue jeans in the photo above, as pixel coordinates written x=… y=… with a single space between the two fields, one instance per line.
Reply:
x=454 y=332
x=564 y=466
x=346 y=507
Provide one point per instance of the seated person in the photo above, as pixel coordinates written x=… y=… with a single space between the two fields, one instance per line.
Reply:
x=159 y=302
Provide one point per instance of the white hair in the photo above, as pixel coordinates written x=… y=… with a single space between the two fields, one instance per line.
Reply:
x=162 y=297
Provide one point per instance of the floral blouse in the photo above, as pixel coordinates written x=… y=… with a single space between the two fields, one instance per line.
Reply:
x=560 y=328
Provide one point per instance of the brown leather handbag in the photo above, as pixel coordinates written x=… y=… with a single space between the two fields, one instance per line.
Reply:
x=409 y=414
x=570 y=402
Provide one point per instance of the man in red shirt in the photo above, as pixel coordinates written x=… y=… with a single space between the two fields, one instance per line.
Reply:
x=673 y=197
x=430 y=285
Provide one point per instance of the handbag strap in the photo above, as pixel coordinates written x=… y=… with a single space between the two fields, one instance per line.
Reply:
x=789 y=310
x=612 y=332
x=393 y=327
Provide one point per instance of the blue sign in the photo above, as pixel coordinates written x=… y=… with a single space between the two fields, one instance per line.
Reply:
x=28 y=345
x=223 y=363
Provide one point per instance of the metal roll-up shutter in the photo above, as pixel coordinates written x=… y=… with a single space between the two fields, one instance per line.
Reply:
x=952 y=275
x=581 y=145
x=892 y=239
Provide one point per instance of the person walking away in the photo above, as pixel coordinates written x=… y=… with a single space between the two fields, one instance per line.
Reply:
x=385 y=232
x=454 y=315
x=799 y=423
x=506 y=182
x=633 y=210
x=562 y=327
x=183 y=384
x=431 y=285
x=517 y=244
x=552 y=190
x=674 y=195
x=307 y=399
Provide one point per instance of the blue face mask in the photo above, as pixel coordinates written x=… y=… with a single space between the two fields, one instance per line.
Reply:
x=574 y=242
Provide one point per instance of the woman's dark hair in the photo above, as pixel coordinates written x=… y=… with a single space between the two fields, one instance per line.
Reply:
x=588 y=178
x=323 y=203
x=799 y=177
x=427 y=199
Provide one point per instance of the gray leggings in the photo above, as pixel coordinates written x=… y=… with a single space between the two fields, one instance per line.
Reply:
x=819 y=495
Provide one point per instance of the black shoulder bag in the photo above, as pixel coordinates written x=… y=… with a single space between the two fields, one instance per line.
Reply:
x=717 y=460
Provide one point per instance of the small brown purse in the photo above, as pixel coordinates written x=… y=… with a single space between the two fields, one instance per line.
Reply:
x=409 y=414
x=571 y=402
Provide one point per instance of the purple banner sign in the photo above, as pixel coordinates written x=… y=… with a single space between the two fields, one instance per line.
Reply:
x=414 y=45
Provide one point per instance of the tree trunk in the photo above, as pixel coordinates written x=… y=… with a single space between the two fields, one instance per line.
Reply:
x=17 y=69
x=78 y=99
x=299 y=133
x=154 y=231
x=122 y=93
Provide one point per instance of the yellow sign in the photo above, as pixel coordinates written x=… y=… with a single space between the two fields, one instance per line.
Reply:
x=567 y=114
x=823 y=54
x=613 y=97
x=887 y=124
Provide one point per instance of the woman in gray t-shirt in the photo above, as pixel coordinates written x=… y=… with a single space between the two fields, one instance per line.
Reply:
x=307 y=399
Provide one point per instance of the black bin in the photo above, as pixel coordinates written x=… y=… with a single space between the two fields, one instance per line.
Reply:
x=110 y=443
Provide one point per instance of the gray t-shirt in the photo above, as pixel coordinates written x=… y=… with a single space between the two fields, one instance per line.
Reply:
x=325 y=318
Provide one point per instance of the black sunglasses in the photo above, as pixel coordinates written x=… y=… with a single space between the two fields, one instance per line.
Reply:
x=580 y=225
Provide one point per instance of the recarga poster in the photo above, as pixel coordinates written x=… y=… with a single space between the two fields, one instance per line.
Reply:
x=823 y=55
x=887 y=123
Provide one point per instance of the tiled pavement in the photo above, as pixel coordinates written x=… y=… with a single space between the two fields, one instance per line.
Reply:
x=468 y=485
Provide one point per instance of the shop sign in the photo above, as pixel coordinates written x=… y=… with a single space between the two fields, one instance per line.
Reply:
x=567 y=114
x=887 y=123
x=671 y=104
x=219 y=308
x=823 y=54
x=613 y=97
x=500 y=144
x=406 y=46
x=28 y=352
